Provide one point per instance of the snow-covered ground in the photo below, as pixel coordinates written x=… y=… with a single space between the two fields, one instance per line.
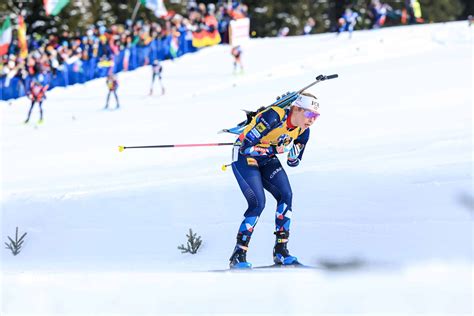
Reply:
x=384 y=192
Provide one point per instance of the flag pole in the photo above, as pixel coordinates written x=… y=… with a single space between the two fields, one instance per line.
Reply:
x=135 y=11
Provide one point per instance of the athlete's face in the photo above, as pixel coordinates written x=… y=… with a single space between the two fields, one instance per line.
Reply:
x=303 y=118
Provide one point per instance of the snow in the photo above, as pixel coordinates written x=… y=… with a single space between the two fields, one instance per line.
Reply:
x=384 y=190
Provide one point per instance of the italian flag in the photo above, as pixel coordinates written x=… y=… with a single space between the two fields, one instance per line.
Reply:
x=5 y=36
x=53 y=7
x=174 y=46
x=157 y=6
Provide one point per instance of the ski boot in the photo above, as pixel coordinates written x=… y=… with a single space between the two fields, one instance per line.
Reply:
x=281 y=255
x=238 y=260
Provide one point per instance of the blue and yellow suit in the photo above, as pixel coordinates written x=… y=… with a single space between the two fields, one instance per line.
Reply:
x=256 y=166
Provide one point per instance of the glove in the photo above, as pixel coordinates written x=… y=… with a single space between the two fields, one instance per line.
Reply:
x=295 y=151
x=284 y=147
x=293 y=159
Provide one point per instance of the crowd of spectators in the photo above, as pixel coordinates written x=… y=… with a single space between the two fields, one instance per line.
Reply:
x=379 y=12
x=376 y=11
x=75 y=57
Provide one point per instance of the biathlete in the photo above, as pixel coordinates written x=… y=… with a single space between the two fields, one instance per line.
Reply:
x=237 y=53
x=37 y=94
x=112 y=84
x=157 y=70
x=256 y=167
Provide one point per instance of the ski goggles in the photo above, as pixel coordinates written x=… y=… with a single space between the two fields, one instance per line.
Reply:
x=311 y=114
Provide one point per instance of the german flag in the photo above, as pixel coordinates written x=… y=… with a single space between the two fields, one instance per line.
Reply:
x=206 y=38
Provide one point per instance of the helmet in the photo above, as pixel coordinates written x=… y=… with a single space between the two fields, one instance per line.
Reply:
x=306 y=101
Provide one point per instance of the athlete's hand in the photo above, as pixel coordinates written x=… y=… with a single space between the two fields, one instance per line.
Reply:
x=284 y=148
x=295 y=151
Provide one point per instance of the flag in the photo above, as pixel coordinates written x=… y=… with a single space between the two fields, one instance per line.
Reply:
x=53 y=7
x=5 y=36
x=157 y=6
x=22 y=44
x=174 y=46
x=206 y=38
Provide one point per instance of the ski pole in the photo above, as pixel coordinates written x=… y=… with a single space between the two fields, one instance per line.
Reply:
x=225 y=166
x=122 y=148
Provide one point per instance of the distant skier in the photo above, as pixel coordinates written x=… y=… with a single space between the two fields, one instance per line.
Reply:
x=112 y=84
x=157 y=70
x=348 y=21
x=256 y=167
x=236 y=51
x=37 y=94
x=379 y=11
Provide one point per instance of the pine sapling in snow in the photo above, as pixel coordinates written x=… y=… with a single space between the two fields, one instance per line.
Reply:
x=193 y=243
x=15 y=245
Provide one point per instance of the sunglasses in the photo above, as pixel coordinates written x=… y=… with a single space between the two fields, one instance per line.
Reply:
x=311 y=114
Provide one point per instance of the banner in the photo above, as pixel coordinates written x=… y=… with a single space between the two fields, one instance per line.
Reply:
x=174 y=46
x=5 y=36
x=239 y=31
x=53 y=7
x=157 y=6
x=206 y=38
x=22 y=44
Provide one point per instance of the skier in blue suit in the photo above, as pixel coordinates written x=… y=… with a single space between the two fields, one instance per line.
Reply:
x=348 y=21
x=256 y=167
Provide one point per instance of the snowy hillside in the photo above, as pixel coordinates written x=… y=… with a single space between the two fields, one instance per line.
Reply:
x=384 y=189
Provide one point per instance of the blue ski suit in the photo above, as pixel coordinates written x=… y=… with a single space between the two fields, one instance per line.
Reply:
x=256 y=166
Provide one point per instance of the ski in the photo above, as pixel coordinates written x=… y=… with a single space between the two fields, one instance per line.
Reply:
x=288 y=266
x=271 y=266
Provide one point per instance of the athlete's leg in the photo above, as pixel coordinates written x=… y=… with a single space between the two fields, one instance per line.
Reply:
x=250 y=181
x=275 y=180
x=248 y=176
x=108 y=97
x=40 y=103
x=29 y=112
x=116 y=100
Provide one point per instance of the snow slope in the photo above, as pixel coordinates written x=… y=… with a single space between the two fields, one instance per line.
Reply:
x=384 y=190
